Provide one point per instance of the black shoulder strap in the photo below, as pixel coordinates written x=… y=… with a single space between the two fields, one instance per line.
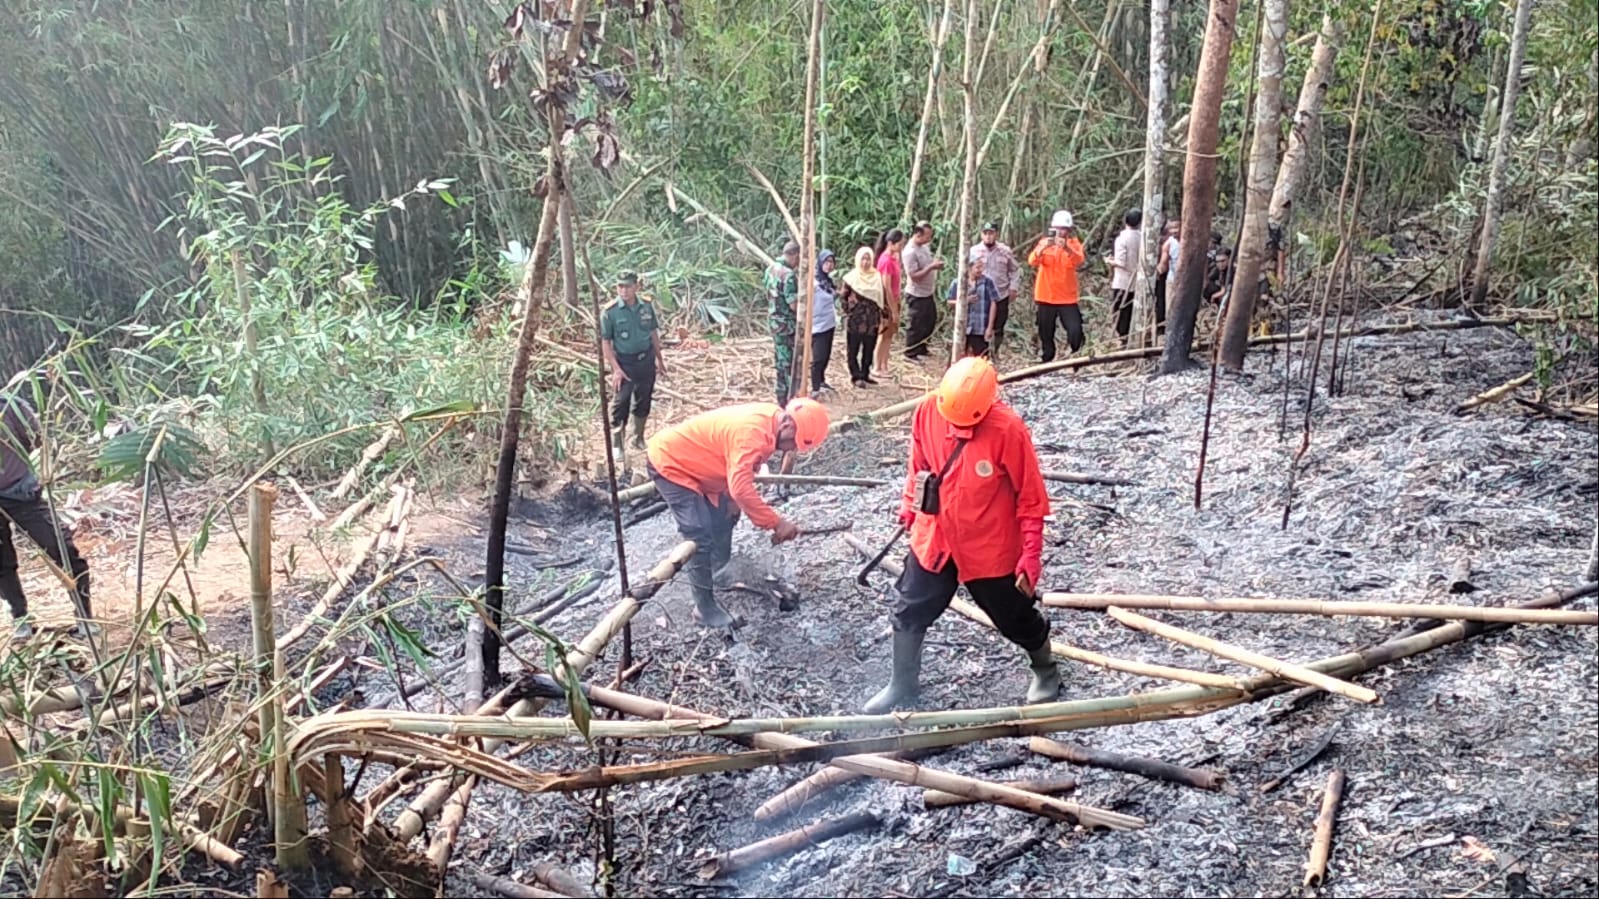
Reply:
x=960 y=444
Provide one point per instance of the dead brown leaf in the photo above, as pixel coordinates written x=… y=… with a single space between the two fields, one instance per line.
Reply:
x=1476 y=850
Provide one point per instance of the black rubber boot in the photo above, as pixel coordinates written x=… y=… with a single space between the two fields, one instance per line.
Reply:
x=11 y=591
x=1046 y=676
x=638 y=431
x=904 y=685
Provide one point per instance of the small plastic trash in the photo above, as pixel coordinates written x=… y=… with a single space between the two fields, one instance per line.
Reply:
x=960 y=866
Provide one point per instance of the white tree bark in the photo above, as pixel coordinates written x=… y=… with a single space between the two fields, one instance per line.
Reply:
x=1262 y=177
x=1154 y=176
x=968 y=180
x=1493 y=203
x=1307 y=120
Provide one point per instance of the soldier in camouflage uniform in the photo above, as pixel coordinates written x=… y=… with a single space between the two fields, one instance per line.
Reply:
x=782 y=294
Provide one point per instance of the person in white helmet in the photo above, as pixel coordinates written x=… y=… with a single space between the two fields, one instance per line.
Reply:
x=1057 y=259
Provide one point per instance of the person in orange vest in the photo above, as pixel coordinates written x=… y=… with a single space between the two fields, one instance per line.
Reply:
x=974 y=503
x=704 y=469
x=1057 y=259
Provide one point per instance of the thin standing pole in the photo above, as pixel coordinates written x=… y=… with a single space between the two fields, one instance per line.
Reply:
x=807 y=284
x=968 y=182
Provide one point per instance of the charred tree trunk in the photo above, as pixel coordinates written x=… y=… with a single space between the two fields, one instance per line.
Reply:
x=1262 y=177
x=1154 y=175
x=1501 y=162
x=1199 y=185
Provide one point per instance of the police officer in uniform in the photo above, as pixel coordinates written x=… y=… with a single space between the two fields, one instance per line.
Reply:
x=631 y=337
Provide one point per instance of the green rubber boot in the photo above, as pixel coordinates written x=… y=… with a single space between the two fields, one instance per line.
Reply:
x=618 y=436
x=904 y=685
x=1046 y=676
x=638 y=431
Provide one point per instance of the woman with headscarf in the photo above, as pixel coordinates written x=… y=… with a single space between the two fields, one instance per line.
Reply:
x=863 y=293
x=824 y=321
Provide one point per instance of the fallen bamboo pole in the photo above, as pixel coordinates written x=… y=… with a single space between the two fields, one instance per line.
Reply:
x=1328 y=608
x=1067 y=651
x=1286 y=670
x=370 y=454
x=1075 y=477
x=561 y=880
x=795 y=797
x=895 y=770
x=786 y=844
x=342 y=578
x=1047 y=786
x=1321 y=846
x=791 y=480
x=1022 y=374
x=505 y=886
x=449 y=826
x=425 y=806
x=1155 y=769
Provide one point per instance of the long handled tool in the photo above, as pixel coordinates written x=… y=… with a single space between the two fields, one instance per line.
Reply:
x=878 y=559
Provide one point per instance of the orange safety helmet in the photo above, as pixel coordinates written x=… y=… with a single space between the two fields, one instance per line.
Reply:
x=810 y=423
x=968 y=391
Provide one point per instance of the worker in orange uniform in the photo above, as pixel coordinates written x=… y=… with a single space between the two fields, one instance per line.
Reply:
x=1057 y=259
x=704 y=469
x=974 y=503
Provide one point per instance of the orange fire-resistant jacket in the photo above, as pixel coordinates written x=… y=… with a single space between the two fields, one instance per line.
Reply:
x=1056 y=284
x=993 y=486
x=719 y=452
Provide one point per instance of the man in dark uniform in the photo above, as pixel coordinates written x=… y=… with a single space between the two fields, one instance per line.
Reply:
x=22 y=504
x=631 y=337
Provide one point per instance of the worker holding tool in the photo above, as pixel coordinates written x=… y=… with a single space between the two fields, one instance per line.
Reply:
x=974 y=504
x=704 y=468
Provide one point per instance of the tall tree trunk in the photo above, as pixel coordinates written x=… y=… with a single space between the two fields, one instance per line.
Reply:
x=1262 y=176
x=1154 y=174
x=1199 y=185
x=968 y=182
x=516 y=391
x=933 y=71
x=1307 y=121
x=801 y=380
x=1496 y=175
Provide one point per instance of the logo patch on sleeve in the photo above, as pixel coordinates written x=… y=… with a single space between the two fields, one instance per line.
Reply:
x=984 y=468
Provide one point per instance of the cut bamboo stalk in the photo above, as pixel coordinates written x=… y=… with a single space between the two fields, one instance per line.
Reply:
x=317 y=515
x=786 y=844
x=1321 y=607
x=1321 y=846
x=795 y=797
x=262 y=496
x=792 y=480
x=1286 y=670
x=373 y=452
x=1460 y=578
x=1047 y=786
x=1493 y=394
x=1077 y=477
x=561 y=880
x=1155 y=769
x=896 y=770
x=450 y=826
x=505 y=886
x=289 y=830
x=1067 y=651
x=343 y=846
x=425 y=806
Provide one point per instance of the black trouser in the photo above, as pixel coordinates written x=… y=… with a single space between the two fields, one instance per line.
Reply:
x=710 y=527
x=923 y=321
x=860 y=348
x=1001 y=316
x=821 y=354
x=638 y=387
x=1160 y=304
x=976 y=345
x=923 y=595
x=34 y=518
x=1121 y=305
x=1066 y=314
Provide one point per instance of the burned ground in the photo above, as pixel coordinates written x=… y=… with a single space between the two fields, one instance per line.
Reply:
x=1494 y=739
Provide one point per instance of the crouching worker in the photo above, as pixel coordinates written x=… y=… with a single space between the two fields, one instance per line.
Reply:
x=705 y=470
x=975 y=504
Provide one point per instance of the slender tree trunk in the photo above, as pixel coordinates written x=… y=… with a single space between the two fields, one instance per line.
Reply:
x=1307 y=121
x=529 y=292
x=1501 y=162
x=1262 y=177
x=933 y=71
x=968 y=181
x=1154 y=175
x=1199 y=185
x=801 y=380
